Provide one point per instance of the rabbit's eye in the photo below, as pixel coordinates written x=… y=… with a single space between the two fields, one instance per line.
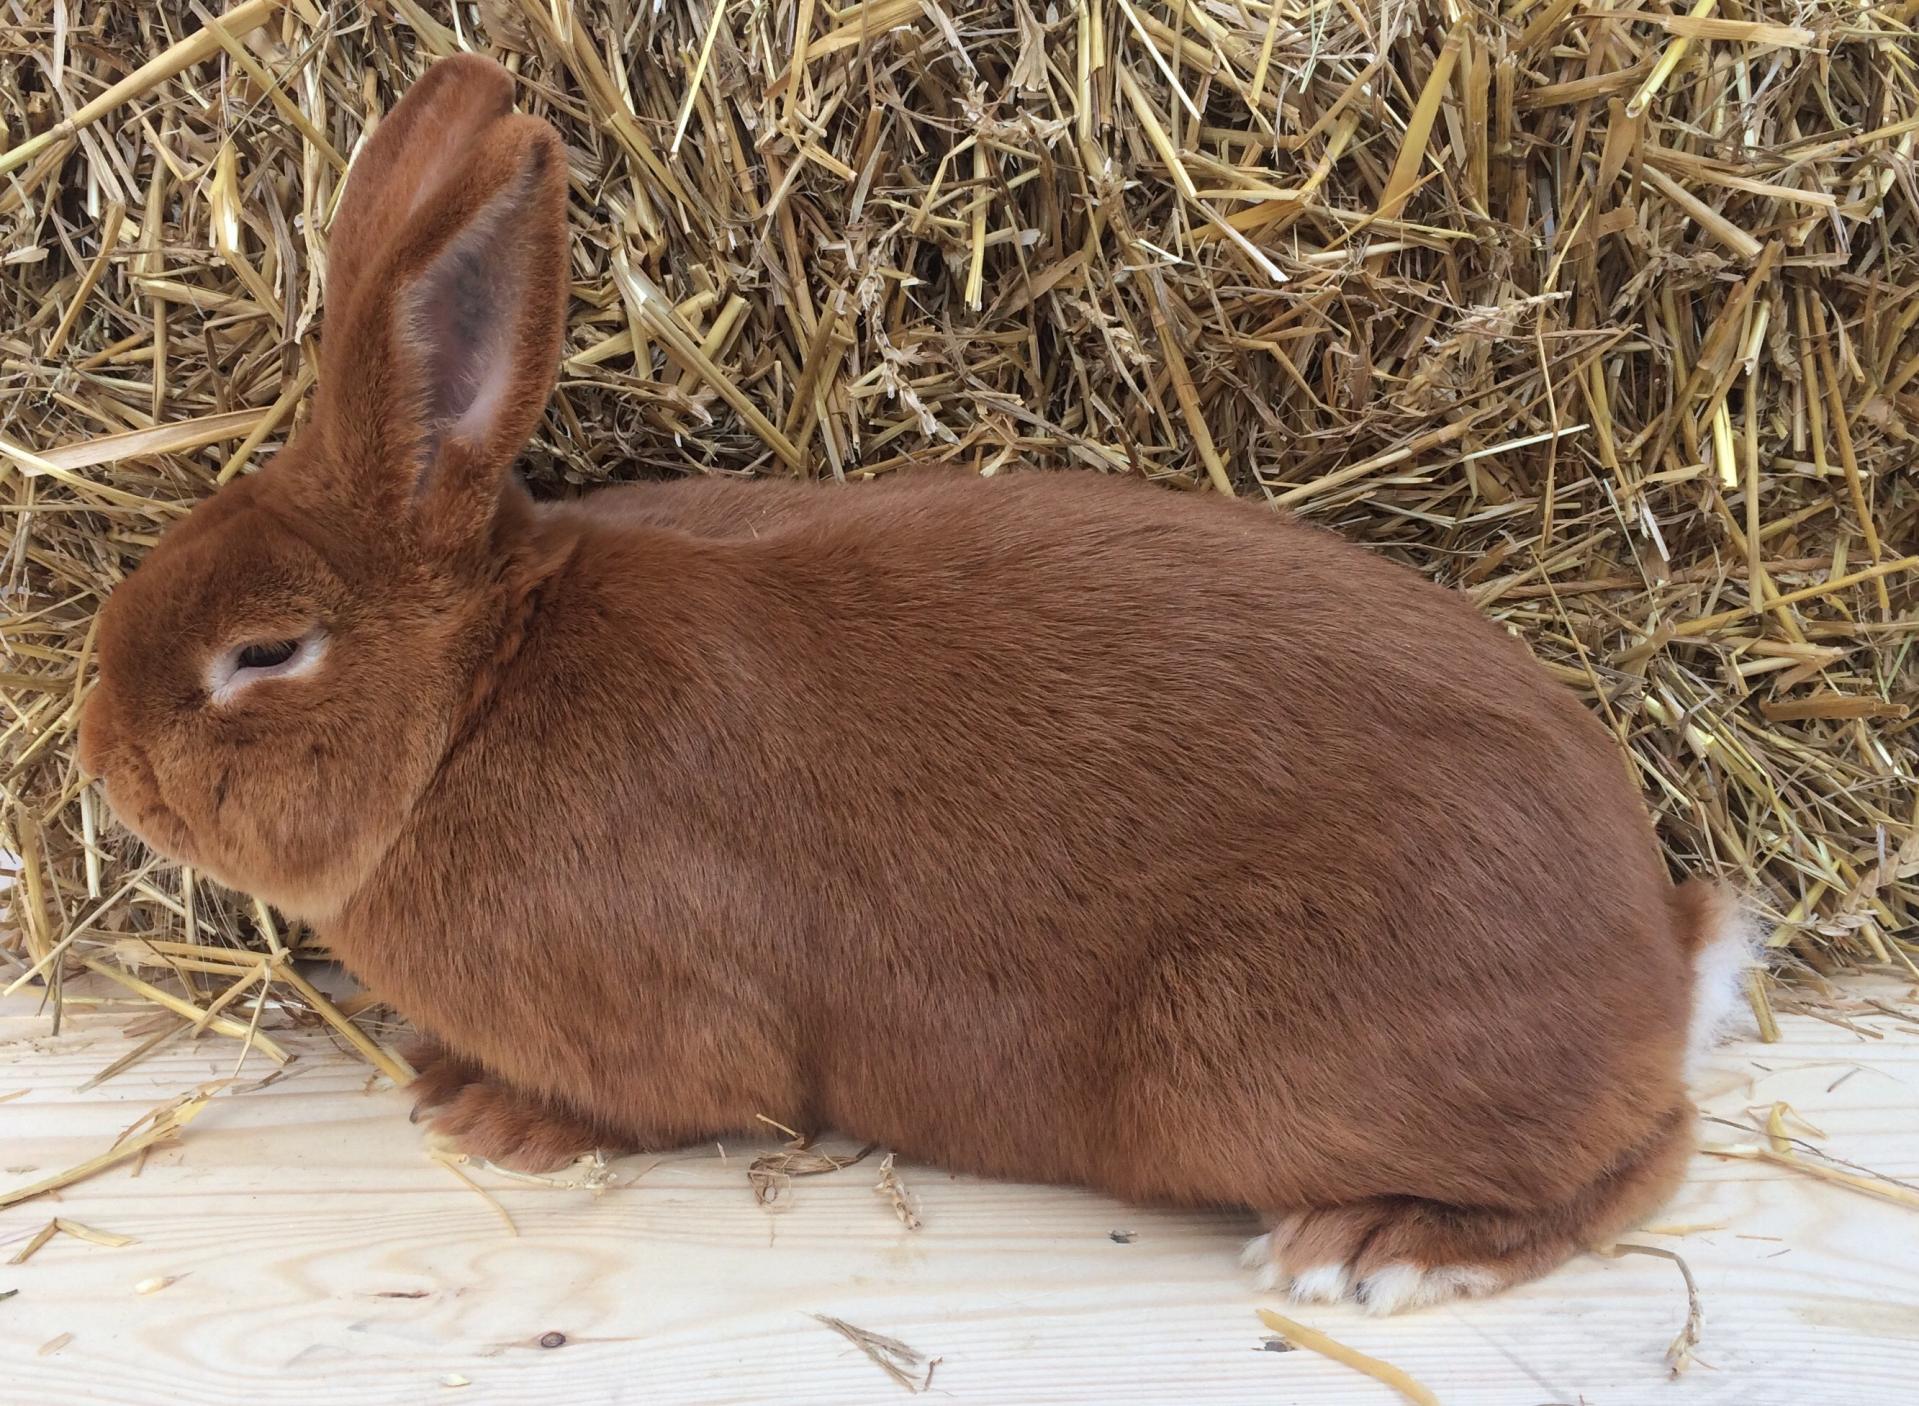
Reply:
x=267 y=654
x=242 y=666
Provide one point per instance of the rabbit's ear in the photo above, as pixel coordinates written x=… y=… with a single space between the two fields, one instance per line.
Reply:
x=413 y=150
x=451 y=339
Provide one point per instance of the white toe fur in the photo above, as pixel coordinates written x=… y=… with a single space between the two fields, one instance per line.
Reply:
x=1258 y=1257
x=1402 y=1286
x=1326 y=1283
x=1390 y=1290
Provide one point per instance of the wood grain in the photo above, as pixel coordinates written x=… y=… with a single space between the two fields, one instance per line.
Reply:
x=318 y=1254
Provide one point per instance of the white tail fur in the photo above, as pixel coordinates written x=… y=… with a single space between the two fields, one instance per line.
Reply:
x=1720 y=965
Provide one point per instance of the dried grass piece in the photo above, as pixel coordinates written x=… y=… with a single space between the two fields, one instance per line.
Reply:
x=92 y=1236
x=61 y=1226
x=894 y=1190
x=890 y=1355
x=1315 y=1341
x=388 y=1064
x=166 y=1120
x=1868 y=1183
x=771 y=1174
x=39 y=1241
x=1679 y=1354
x=451 y=1162
x=201 y=1018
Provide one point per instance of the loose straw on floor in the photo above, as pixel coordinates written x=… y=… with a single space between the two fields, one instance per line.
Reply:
x=1312 y=1339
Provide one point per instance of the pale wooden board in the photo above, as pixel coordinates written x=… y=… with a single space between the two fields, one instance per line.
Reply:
x=289 y=1211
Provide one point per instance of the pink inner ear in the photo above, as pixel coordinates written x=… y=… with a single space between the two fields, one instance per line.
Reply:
x=495 y=376
x=461 y=318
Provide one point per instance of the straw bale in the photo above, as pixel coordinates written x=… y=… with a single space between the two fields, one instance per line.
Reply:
x=1607 y=314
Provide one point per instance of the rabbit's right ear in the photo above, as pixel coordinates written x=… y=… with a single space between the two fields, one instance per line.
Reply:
x=415 y=149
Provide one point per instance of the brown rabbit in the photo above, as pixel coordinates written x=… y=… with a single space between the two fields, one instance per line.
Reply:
x=1046 y=826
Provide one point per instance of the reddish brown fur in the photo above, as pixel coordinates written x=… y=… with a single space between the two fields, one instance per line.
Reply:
x=1047 y=826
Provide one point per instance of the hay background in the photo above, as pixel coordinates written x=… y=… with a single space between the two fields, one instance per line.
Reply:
x=1643 y=384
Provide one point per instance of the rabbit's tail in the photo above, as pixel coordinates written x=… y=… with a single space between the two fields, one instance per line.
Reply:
x=1723 y=942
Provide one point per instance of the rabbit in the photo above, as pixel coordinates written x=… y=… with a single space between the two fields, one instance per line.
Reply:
x=1049 y=825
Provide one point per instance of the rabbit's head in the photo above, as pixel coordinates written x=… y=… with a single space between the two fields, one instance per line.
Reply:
x=284 y=673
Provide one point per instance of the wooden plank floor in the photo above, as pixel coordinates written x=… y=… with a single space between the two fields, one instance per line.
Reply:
x=317 y=1254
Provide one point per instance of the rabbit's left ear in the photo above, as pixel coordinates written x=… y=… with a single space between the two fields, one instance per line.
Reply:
x=452 y=339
